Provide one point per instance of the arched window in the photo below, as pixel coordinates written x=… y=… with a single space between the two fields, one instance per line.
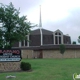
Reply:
x=56 y=33
x=58 y=38
x=59 y=33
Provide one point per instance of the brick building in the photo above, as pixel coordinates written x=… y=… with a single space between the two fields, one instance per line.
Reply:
x=48 y=38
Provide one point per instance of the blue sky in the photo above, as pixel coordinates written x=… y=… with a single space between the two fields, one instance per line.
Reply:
x=56 y=14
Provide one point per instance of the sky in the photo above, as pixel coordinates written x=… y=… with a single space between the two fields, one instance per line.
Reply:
x=56 y=14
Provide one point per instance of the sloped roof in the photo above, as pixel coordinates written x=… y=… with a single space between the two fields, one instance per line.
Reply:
x=44 y=31
x=58 y=31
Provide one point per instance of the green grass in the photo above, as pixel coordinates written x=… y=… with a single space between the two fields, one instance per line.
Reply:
x=48 y=69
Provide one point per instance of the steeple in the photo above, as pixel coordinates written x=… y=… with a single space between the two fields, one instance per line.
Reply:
x=40 y=20
x=40 y=27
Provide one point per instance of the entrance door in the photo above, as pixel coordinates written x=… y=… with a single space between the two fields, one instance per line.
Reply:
x=41 y=54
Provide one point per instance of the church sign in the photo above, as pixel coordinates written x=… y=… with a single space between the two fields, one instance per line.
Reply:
x=10 y=55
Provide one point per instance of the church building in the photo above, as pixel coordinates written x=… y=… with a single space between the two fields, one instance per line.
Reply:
x=35 y=38
x=42 y=36
x=43 y=43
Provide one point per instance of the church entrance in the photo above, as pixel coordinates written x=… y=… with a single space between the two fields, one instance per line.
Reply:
x=41 y=54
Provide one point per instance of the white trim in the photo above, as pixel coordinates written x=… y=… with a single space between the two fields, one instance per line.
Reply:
x=24 y=42
x=19 y=43
x=54 y=38
x=58 y=31
x=58 y=40
x=41 y=36
x=28 y=40
x=62 y=39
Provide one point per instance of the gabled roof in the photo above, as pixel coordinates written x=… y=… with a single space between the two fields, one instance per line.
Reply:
x=44 y=31
x=58 y=31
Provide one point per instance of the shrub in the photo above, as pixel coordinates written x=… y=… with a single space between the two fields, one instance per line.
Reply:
x=25 y=66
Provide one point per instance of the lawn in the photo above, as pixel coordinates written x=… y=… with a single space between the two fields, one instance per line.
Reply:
x=47 y=69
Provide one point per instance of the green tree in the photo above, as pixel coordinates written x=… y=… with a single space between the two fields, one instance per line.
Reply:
x=74 y=42
x=13 y=28
x=62 y=49
x=79 y=39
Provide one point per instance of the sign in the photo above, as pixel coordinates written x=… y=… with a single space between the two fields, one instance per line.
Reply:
x=10 y=55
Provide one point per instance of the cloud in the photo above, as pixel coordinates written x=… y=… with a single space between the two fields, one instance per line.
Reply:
x=24 y=5
x=70 y=25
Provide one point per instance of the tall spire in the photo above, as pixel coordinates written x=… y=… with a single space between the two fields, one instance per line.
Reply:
x=40 y=20
x=40 y=26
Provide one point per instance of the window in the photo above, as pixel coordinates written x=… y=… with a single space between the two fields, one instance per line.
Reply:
x=58 y=38
x=59 y=33
x=56 y=33
x=22 y=43
x=26 y=42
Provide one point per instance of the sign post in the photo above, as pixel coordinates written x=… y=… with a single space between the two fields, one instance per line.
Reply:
x=10 y=60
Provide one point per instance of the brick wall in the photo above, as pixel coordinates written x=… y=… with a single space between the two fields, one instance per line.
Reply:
x=57 y=54
x=51 y=54
x=27 y=53
x=9 y=66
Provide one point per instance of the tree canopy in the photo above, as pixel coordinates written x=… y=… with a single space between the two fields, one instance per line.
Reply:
x=79 y=39
x=74 y=42
x=13 y=28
